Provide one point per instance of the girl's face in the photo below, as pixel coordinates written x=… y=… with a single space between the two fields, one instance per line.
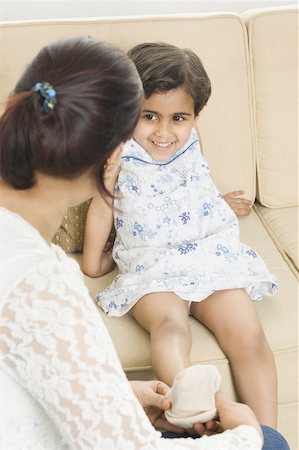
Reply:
x=165 y=124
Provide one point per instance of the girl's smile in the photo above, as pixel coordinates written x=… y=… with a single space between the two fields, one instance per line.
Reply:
x=165 y=124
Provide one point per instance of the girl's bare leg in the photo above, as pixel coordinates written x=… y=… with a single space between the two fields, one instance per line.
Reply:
x=232 y=317
x=165 y=316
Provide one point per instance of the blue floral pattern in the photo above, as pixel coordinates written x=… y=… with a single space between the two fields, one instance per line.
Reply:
x=174 y=232
x=185 y=217
x=187 y=247
x=118 y=222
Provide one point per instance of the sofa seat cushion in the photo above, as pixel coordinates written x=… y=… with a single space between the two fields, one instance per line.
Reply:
x=282 y=224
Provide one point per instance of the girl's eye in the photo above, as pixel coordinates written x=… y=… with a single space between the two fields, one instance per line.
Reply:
x=178 y=118
x=150 y=116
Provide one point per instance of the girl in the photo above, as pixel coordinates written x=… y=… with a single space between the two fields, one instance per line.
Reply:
x=177 y=244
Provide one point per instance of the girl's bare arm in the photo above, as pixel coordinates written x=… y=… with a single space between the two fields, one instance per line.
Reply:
x=97 y=258
x=97 y=252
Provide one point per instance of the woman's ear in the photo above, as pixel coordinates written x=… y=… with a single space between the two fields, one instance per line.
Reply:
x=115 y=155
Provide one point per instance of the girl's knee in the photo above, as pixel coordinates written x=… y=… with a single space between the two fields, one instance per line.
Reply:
x=246 y=340
x=173 y=322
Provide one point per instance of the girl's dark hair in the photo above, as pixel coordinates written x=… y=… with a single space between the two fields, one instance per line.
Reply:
x=99 y=94
x=163 y=67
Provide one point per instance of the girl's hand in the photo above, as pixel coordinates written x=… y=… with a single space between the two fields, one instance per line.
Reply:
x=107 y=261
x=240 y=206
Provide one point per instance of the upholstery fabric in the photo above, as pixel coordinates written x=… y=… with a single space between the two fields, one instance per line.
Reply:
x=283 y=223
x=273 y=45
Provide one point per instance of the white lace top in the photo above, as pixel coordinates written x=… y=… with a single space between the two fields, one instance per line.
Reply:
x=61 y=383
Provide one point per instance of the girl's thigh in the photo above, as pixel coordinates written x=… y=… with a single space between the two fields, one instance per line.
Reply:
x=228 y=311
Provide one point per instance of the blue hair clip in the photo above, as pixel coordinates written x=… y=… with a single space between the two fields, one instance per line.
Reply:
x=48 y=93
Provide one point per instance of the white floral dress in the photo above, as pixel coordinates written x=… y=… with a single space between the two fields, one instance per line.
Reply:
x=61 y=383
x=176 y=233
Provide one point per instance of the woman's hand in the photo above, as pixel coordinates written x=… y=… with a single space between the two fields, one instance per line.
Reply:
x=240 y=206
x=232 y=414
x=151 y=396
x=112 y=169
x=208 y=428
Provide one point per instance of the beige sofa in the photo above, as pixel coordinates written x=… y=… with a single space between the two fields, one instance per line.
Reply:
x=249 y=132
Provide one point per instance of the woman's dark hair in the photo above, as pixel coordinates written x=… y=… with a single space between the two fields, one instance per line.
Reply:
x=98 y=94
x=163 y=67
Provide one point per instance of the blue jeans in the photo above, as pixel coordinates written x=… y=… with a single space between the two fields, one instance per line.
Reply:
x=273 y=440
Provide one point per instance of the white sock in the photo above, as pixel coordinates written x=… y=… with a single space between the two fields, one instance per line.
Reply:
x=193 y=396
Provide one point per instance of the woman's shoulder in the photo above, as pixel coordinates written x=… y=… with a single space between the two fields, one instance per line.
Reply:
x=20 y=241
x=24 y=251
x=14 y=228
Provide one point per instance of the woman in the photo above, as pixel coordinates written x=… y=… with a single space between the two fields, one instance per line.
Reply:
x=61 y=380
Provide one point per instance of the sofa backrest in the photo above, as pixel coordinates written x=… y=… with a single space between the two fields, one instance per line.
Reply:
x=273 y=45
x=226 y=124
